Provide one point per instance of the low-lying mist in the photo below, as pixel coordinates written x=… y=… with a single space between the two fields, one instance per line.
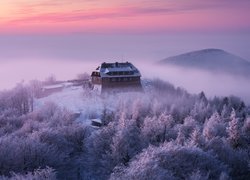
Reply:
x=37 y=57
x=16 y=71
x=195 y=81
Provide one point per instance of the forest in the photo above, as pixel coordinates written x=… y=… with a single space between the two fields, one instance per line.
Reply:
x=163 y=133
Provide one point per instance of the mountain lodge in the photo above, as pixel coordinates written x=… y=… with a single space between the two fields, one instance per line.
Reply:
x=116 y=77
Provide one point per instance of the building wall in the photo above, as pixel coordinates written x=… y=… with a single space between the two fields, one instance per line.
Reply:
x=96 y=80
x=116 y=83
x=121 y=84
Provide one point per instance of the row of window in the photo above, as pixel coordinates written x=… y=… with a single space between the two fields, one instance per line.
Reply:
x=121 y=73
x=120 y=79
x=115 y=79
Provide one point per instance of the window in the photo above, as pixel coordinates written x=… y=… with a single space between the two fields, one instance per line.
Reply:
x=113 y=79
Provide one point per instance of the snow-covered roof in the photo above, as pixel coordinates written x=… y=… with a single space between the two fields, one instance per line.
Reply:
x=97 y=121
x=118 y=69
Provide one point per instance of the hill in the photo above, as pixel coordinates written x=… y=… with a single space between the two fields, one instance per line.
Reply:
x=214 y=60
x=163 y=133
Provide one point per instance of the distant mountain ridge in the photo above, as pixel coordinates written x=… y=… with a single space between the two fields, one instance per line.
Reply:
x=213 y=60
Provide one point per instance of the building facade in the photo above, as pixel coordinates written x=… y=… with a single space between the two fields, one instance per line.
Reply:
x=116 y=77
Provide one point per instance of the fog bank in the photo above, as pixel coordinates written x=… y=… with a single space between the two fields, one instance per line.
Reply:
x=196 y=81
x=26 y=70
x=37 y=57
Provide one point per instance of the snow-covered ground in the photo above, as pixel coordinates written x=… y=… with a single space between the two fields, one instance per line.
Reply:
x=77 y=100
x=61 y=85
x=86 y=103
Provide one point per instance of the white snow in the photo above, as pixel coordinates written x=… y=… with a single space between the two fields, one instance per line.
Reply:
x=88 y=104
x=61 y=85
x=96 y=120
x=97 y=88
x=77 y=100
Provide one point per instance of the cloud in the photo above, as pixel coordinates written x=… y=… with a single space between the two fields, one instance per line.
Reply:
x=128 y=9
x=116 y=15
x=102 y=13
x=78 y=15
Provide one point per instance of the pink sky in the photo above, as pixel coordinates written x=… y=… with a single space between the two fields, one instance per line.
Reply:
x=123 y=16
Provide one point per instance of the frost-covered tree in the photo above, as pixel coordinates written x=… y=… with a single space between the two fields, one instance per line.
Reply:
x=214 y=126
x=196 y=139
x=97 y=162
x=24 y=154
x=20 y=99
x=127 y=142
x=246 y=130
x=196 y=175
x=83 y=76
x=39 y=174
x=35 y=91
x=35 y=88
x=164 y=133
x=235 y=159
x=50 y=80
x=158 y=129
x=180 y=140
x=234 y=133
x=200 y=111
x=174 y=162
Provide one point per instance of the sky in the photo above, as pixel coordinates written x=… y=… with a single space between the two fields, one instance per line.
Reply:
x=123 y=16
x=67 y=37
